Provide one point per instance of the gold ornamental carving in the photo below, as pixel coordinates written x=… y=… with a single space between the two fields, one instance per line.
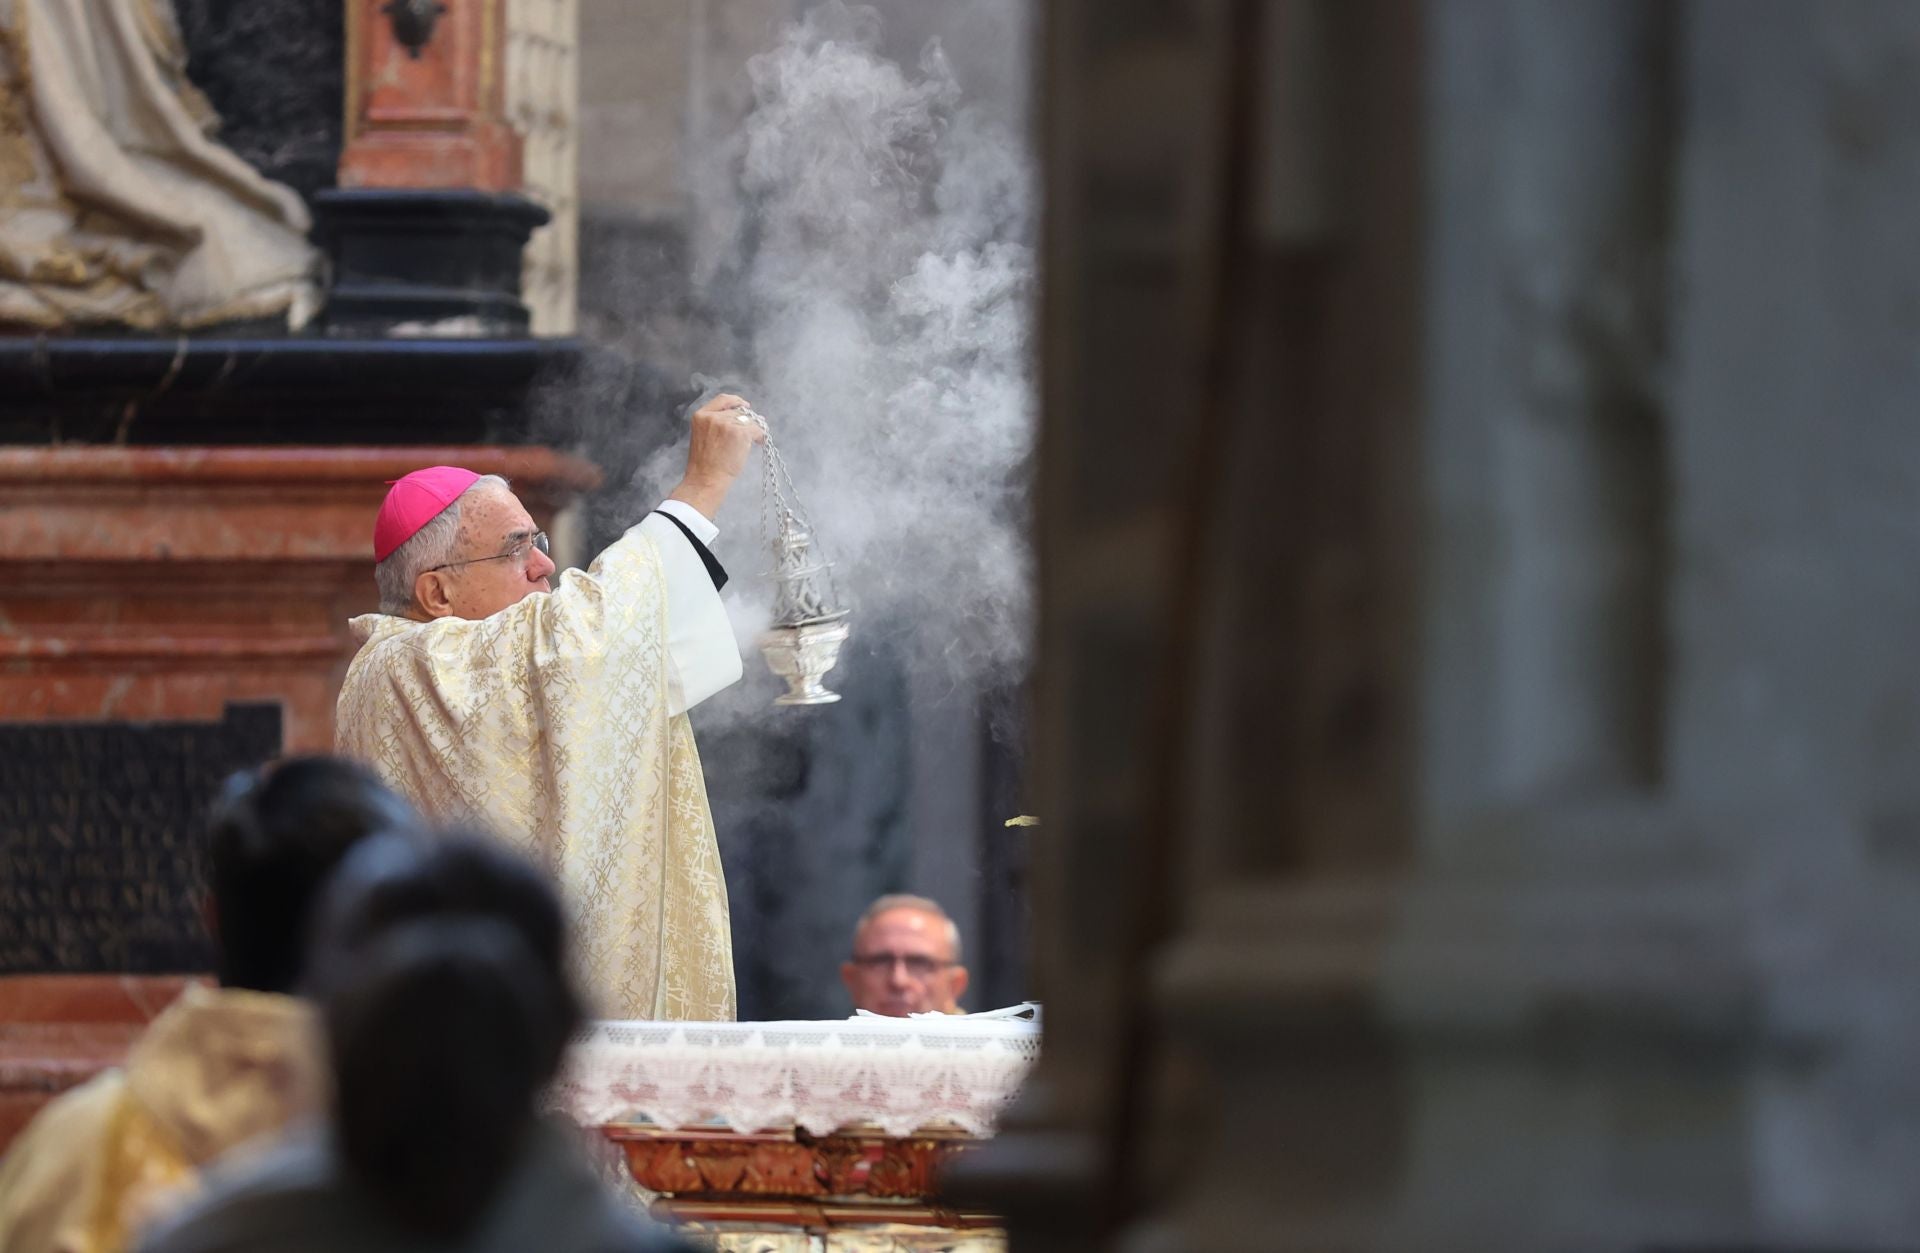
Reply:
x=788 y=1164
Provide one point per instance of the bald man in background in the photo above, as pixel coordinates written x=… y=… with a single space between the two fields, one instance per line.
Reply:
x=905 y=960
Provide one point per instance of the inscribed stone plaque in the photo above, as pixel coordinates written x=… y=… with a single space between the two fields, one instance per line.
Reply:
x=100 y=827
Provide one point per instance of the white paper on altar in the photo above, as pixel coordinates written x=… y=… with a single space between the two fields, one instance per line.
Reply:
x=895 y=1073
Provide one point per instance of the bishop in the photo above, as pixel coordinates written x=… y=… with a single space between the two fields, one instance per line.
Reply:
x=551 y=708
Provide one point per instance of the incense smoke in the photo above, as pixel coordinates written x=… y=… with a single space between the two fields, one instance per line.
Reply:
x=882 y=280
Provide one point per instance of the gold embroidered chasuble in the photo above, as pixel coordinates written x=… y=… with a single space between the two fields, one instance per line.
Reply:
x=219 y=1068
x=551 y=724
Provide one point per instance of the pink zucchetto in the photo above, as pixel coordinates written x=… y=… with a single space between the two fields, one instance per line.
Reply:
x=415 y=501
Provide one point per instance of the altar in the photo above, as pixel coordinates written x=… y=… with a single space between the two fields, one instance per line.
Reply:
x=783 y=1137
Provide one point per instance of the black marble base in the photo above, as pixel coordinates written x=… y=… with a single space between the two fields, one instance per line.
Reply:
x=289 y=390
x=424 y=262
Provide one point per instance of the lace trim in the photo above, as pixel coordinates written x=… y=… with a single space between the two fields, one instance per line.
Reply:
x=898 y=1074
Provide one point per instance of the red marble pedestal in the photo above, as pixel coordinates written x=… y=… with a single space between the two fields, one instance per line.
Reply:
x=148 y=584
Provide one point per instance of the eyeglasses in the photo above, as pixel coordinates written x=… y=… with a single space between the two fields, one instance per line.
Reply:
x=917 y=966
x=518 y=553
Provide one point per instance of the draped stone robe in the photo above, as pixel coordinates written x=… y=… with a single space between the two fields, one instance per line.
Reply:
x=117 y=205
x=559 y=724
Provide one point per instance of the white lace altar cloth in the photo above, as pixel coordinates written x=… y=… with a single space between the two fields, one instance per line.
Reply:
x=901 y=1074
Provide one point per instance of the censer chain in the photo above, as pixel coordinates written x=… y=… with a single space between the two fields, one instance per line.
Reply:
x=775 y=504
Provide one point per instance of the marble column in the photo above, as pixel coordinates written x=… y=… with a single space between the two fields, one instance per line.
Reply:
x=1528 y=858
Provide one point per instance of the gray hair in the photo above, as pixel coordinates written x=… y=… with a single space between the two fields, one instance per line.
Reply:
x=432 y=545
x=919 y=904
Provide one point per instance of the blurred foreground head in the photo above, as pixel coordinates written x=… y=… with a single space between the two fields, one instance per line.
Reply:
x=440 y=972
x=275 y=836
x=905 y=959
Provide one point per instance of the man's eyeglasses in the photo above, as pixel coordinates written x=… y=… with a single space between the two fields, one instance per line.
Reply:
x=518 y=552
x=917 y=966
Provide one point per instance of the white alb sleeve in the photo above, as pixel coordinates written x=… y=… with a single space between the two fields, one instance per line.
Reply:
x=702 y=656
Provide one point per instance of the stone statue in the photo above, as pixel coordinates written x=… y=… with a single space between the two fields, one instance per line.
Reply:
x=116 y=206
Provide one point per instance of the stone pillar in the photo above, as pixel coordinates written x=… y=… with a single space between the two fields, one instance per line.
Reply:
x=1573 y=949
x=1285 y=753
x=1794 y=707
x=1606 y=940
x=1229 y=365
